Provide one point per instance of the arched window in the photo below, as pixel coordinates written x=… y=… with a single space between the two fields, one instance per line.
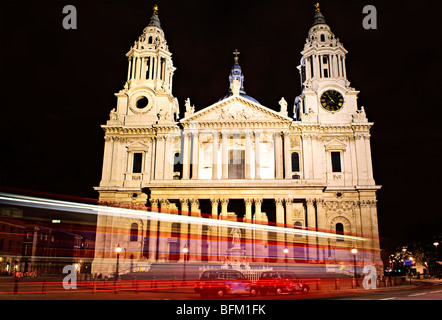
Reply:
x=322 y=37
x=150 y=39
x=134 y=232
x=295 y=161
x=339 y=230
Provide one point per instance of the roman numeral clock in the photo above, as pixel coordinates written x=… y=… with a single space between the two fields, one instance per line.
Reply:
x=332 y=100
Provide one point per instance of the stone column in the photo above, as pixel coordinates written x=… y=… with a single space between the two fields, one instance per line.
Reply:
x=278 y=155
x=215 y=155
x=257 y=155
x=225 y=155
x=214 y=202
x=321 y=217
x=213 y=241
x=195 y=155
x=248 y=235
x=137 y=68
x=280 y=237
x=307 y=162
x=287 y=157
x=224 y=203
x=248 y=154
x=168 y=158
x=311 y=223
x=360 y=159
x=279 y=212
x=195 y=233
x=308 y=75
x=316 y=66
x=153 y=232
x=186 y=156
x=259 y=236
x=223 y=231
x=164 y=233
x=129 y=69
x=159 y=162
x=248 y=215
x=134 y=60
x=184 y=228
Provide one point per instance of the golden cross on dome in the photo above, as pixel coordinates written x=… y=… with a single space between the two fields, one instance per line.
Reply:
x=155 y=10
x=236 y=53
x=317 y=7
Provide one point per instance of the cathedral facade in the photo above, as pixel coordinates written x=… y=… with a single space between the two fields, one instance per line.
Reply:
x=238 y=160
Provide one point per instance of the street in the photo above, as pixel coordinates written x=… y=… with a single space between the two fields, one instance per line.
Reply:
x=327 y=289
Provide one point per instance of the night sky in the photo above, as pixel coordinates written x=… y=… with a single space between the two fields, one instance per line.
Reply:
x=58 y=86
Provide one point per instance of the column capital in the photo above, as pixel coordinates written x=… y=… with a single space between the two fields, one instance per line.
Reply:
x=248 y=133
x=224 y=201
x=184 y=202
x=214 y=201
x=279 y=201
x=310 y=202
x=258 y=201
x=248 y=201
x=320 y=202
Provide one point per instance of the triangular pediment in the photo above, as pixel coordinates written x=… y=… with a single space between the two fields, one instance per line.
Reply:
x=335 y=145
x=237 y=109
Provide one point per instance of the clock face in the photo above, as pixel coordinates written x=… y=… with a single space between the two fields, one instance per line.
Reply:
x=332 y=100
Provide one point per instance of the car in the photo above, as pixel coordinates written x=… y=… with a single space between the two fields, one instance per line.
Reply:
x=223 y=282
x=278 y=282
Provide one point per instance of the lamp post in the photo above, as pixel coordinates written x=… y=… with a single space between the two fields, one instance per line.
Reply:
x=285 y=252
x=354 y=251
x=185 y=251
x=435 y=259
x=117 y=250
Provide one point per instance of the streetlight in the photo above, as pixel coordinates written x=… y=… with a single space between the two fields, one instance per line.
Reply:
x=117 y=250
x=285 y=252
x=185 y=251
x=354 y=251
x=436 y=244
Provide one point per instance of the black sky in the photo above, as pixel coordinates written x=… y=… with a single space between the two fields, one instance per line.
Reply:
x=58 y=85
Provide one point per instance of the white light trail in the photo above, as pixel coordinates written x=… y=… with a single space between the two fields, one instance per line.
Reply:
x=19 y=200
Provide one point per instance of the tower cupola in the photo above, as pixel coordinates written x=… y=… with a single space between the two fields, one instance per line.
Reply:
x=150 y=62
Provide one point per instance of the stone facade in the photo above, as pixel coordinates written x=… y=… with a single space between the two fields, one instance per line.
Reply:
x=238 y=160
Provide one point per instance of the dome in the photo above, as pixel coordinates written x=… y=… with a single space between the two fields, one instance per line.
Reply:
x=242 y=95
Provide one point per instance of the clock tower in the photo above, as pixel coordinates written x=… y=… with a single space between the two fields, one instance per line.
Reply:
x=326 y=93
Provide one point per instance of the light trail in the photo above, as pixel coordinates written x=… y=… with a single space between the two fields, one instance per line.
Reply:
x=19 y=200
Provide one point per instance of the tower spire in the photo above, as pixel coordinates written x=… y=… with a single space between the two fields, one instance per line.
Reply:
x=318 y=17
x=154 y=20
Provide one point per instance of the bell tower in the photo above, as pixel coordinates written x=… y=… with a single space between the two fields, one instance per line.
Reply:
x=138 y=128
x=147 y=95
x=326 y=93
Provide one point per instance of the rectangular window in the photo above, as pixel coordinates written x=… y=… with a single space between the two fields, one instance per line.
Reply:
x=138 y=158
x=236 y=169
x=336 y=161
